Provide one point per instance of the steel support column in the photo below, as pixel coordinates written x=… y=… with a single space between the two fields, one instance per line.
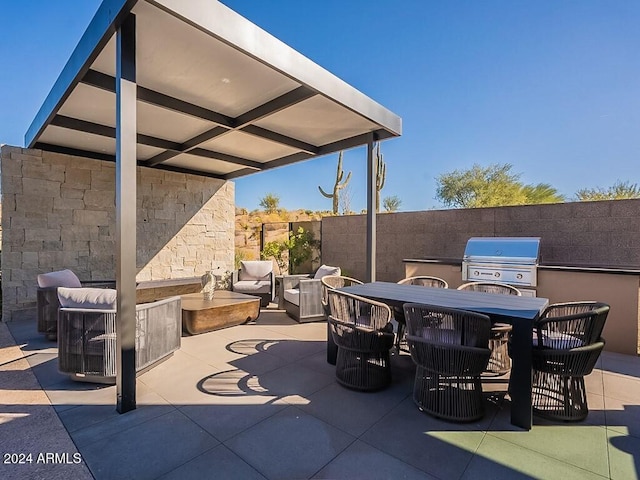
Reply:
x=371 y=212
x=126 y=214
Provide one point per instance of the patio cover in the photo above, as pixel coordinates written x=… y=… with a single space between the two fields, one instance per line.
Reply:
x=193 y=87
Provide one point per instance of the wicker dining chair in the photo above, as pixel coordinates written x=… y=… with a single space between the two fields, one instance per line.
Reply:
x=500 y=362
x=567 y=344
x=398 y=312
x=450 y=348
x=331 y=282
x=362 y=330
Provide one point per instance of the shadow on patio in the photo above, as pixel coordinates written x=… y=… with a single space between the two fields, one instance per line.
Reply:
x=260 y=401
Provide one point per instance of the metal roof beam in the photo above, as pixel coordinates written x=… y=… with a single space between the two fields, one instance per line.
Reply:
x=171 y=103
x=273 y=106
x=105 y=157
x=76 y=152
x=345 y=144
x=201 y=152
x=108 y=83
x=106 y=131
x=279 y=138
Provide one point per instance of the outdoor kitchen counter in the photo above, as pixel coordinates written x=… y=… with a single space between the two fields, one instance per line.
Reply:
x=592 y=269
x=622 y=270
x=617 y=286
x=438 y=260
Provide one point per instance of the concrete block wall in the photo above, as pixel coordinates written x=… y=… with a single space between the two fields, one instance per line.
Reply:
x=582 y=233
x=58 y=211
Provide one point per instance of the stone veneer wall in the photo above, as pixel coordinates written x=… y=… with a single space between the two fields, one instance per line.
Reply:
x=583 y=233
x=58 y=211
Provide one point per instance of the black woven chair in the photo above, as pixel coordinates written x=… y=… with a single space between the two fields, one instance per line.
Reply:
x=398 y=312
x=331 y=282
x=450 y=349
x=362 y=330
x=500 y=362
x=567 y=344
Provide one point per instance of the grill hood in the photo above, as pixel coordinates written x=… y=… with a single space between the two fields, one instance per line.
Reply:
x=503 y=250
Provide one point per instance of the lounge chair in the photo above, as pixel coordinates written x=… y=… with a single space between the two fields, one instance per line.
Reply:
x=87 y=333
x=47 y=303
x=255 y=277
x=303 y=294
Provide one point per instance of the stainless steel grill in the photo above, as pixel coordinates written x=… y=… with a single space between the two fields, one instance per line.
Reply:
x=512 y=260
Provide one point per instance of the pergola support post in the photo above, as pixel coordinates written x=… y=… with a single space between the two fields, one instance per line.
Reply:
x=371 y=211
x=126 y=214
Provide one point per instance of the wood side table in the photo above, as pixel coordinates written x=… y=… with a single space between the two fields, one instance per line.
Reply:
x=226 y=309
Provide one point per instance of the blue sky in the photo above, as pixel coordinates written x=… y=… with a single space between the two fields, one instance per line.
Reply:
x=552 y=87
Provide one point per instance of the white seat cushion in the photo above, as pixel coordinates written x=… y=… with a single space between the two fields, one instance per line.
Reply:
x=558 y=340
x=292 y=295
x=442 y=335
x=255 y=270
x=252 y=286
x=326 y=270
x=61 y=278
x=88 y=298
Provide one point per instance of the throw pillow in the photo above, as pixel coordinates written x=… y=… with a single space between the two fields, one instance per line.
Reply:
x=61 y=278
x=326 y=270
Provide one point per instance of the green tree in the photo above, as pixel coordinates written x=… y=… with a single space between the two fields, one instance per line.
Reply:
x=270 y=202
x=492 y=186
x=279 y=252
x=618 y=191
x=391 y=204
x=295 y=250
x=541 y=193
x=301 y=246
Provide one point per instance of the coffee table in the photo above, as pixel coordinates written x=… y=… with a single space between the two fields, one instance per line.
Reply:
x=226 y=309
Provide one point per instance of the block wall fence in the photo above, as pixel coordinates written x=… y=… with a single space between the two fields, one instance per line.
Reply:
x=605 y=233
x=58 y=211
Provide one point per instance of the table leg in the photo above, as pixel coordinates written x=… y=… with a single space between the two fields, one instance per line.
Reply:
x=521 y=382
x=280 y=292
x=332 y=348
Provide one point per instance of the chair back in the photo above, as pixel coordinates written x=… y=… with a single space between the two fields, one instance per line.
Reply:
x=255 y=270
x=359 y=311
x=491 y=287
x=424 y=281
x=571 y=324
x=447 y=325
x=331 y=282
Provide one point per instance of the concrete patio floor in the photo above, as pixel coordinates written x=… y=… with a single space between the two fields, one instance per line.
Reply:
x=259 y=401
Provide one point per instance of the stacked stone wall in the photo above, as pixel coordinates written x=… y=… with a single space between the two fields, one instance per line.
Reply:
x=58 y=211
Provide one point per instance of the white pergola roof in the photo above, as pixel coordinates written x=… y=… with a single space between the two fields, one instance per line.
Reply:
x=216 y=95
x=191 y=86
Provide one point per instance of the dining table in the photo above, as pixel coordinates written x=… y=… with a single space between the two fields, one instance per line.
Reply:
x=519 y=311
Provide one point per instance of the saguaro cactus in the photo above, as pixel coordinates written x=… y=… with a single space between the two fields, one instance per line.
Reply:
x=381 y=174
x=339 y=185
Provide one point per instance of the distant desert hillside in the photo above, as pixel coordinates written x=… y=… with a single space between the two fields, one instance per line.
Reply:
x=249 y=224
